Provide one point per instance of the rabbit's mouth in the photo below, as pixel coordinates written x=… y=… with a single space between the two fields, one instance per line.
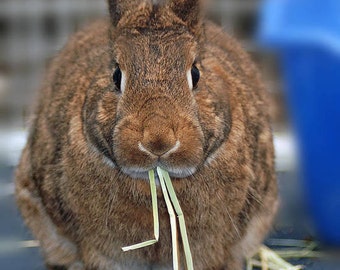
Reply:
x=141 y=173
x=139 y=146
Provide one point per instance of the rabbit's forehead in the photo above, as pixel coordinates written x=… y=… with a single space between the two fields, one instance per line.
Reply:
x=156 y=49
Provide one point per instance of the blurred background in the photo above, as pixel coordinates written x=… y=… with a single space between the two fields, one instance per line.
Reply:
x=296 y=47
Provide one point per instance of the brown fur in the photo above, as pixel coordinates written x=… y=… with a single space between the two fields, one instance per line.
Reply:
x=74 y=184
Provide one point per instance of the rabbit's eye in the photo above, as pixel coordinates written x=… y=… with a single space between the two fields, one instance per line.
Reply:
x=117 y=78
x=195 y=75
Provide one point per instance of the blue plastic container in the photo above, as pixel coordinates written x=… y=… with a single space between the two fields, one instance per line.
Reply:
x=306 y=34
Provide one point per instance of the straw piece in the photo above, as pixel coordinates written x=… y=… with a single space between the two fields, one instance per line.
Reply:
x=154 y=204
x=272 y=261
x=171 y=203
x=188 y=257
x=291 y=243
x=272 y=256
x=29 y=243
x=140 y=245
x=264 y=259
x=271 y=265
x=155 y=216
x=249 y=264
x=299 y=254
x=172 y=223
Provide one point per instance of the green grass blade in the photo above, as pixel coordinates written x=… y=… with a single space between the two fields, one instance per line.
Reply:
x=187 y=252
x=154 y=203
x=273 y=257
x=275 y=261
x=140 y=245
x=155 y=216
x=172 y=223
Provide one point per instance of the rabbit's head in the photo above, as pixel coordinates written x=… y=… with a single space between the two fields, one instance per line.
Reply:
x=159 y=112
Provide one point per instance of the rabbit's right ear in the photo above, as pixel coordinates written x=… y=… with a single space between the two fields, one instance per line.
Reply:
x=120 y=8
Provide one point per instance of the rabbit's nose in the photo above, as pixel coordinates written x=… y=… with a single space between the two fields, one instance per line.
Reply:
x=159 y=142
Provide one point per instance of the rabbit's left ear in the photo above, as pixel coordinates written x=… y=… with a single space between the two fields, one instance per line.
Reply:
x=119 y=8
x=189 y=11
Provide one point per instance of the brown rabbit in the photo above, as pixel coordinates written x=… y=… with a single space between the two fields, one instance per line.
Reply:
x=156 y=85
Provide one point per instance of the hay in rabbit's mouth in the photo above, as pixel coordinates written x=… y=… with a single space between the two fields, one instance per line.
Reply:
x=173 y=207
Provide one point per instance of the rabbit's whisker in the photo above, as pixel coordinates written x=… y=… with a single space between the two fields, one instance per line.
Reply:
x=233 y=223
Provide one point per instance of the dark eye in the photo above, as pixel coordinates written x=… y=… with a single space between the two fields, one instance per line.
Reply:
x=117 y=77
x=195 y=75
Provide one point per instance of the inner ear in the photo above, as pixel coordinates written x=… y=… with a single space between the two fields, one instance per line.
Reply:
x=120 y=8
x=189 y=11
x=115 y=10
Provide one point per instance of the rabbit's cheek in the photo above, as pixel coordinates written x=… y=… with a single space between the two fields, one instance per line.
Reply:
x=99 y=115
x=188 y=156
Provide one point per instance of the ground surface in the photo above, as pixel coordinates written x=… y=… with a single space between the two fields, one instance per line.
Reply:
x=292 y=222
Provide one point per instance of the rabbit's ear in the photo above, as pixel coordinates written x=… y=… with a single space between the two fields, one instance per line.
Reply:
x=189 y=11
x=120 y=8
